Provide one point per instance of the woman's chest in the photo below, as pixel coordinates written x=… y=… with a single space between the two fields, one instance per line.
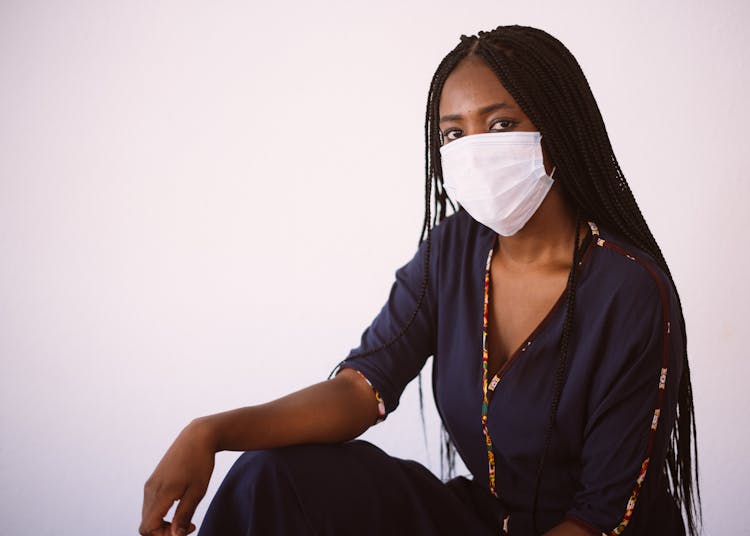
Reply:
x=518 y=305
x=518 y=401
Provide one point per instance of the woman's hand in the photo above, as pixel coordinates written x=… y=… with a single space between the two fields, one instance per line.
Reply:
x=182 y=475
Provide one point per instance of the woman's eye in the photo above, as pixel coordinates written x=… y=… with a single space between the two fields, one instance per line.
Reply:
x=502 y=124
x=451 y=134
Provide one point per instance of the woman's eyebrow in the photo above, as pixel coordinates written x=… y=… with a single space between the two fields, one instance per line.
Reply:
x=484 y=110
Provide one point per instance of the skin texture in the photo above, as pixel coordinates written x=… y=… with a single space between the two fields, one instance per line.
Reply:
x=529 y=270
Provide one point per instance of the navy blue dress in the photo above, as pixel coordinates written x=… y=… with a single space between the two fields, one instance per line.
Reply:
x=617 y=407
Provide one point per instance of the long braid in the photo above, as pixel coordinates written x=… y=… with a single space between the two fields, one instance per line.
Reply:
x=570 y=299
x=434 y=174
x=426 y=236
x=441 y=201
x=548 y=84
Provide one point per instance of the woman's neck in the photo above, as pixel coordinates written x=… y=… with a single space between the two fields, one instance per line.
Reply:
x=546 y=241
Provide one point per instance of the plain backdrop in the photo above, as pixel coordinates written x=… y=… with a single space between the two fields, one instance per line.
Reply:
x=202 y=205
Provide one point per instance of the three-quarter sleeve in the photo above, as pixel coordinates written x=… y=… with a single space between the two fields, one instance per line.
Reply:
x=390 y=369
x=632 y=406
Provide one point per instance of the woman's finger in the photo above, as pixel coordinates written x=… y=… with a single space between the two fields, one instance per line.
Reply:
x=161 y=530
x=185 y=510
x=156 y=504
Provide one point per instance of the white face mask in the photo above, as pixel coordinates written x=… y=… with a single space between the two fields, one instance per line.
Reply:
x=499 y=177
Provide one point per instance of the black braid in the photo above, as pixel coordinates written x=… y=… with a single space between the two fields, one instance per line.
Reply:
x=425 y=235
x=440 y=199
x=548 y=84
x=570 y=300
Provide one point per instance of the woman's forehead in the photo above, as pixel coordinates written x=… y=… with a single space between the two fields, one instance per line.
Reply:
x=472 y=85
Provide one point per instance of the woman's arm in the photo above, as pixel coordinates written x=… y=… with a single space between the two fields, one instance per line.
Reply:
x=336 y=410
x=328 y=412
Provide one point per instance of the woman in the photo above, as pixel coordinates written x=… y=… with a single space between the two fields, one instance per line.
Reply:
x=560 y=366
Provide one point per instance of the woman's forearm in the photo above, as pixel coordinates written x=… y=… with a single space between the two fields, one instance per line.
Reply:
x=331 y=411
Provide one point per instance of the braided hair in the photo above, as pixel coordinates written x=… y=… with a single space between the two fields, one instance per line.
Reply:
x=546 y=81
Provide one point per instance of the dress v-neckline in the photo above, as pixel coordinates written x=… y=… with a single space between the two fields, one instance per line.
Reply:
x=488 y=387
x=529 y=339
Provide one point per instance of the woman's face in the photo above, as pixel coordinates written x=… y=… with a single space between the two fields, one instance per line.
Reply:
x=474 y=101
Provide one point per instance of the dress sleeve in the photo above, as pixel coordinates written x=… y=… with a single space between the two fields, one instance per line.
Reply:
x=632 y=407
x=390 y=369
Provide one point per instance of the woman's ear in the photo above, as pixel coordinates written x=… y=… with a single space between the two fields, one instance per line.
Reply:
x=548 y=164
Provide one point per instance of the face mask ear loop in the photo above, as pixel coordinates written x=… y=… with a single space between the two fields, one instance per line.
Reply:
x=553 y=167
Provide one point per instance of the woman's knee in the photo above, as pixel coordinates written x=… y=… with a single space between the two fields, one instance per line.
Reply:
x=257 y=496
x=257 y=467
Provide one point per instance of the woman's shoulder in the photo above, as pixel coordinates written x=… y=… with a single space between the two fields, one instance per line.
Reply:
x=623 y=270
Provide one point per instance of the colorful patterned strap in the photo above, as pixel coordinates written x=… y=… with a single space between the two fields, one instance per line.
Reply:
x=378 y=398
x=485 y=364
